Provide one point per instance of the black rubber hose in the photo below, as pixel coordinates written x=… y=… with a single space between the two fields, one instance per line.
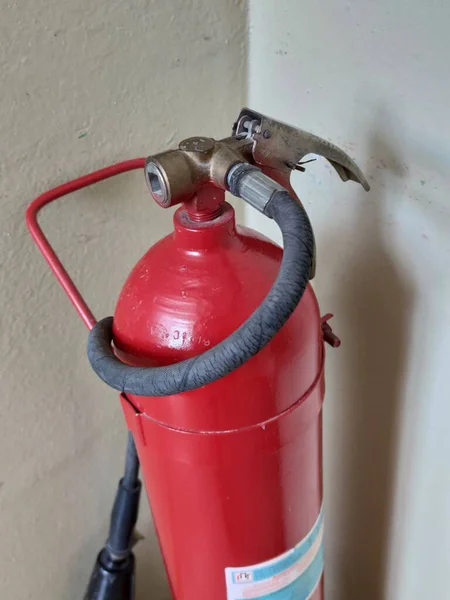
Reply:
x=241 y=345
x=131 y=473
x=126 y=506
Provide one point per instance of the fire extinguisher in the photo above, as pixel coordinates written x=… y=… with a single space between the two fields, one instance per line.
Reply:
x=216 y=348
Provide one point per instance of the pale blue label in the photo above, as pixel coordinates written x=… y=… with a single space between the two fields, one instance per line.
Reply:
x=293 y=575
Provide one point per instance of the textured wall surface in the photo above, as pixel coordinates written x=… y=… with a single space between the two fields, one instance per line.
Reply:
x=84 y=84
x=373 y=78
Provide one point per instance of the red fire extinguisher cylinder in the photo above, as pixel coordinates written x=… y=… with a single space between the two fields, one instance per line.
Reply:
x=233 y=467
x=216 y=346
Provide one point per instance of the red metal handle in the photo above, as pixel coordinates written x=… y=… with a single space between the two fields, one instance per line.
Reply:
x=44 y=245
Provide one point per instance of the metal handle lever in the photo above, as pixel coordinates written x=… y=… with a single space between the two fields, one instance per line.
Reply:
x=280 y=147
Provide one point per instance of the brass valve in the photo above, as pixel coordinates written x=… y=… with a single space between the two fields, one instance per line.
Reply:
x=271 y=147
x=176 y=176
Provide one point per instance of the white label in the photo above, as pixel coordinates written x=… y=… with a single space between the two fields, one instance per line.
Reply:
x=293 y=575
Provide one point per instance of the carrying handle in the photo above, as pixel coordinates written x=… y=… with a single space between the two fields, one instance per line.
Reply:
x=44 y=245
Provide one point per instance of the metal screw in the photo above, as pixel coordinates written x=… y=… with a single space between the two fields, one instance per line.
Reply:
x=267 y=134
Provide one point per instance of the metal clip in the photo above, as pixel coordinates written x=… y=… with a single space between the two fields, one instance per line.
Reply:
x=328 y=336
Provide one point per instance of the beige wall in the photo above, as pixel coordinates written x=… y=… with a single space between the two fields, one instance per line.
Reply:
x=84 y=84
x=374 y=78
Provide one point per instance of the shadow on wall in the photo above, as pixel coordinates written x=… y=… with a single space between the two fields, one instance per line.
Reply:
x=373 y=302
x=151 y=580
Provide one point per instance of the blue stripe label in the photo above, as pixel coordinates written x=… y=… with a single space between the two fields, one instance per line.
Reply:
x=290 y=559
x=302 y=587
x=293 y=575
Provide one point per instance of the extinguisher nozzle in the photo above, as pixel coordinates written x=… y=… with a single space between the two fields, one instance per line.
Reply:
x=113 y=574
x=111 y=580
